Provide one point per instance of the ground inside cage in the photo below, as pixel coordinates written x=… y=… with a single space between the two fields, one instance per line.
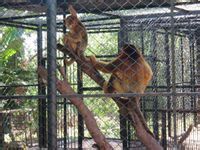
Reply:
x=115 y=143
x=90 y=144
x=192 y=142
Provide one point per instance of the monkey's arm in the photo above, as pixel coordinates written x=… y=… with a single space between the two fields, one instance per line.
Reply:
x=107 y=67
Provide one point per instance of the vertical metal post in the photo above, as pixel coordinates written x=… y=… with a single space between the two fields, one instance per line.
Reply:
x=197 y=35
x=191 y=47
x=154 y=84
x=164 y=127
x=173 y=70
x=41 y=91
x=122 y=39
x=129 y=134
x=142 y=39
x=65 y=100
x=51 y=68
x=183 y=80
x=143 y=101
x=192 y=74
x=80 y=118
x=168 y=80
x=123 y=34
x=1 y=131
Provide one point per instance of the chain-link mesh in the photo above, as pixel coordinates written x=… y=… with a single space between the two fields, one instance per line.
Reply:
x=91 y=74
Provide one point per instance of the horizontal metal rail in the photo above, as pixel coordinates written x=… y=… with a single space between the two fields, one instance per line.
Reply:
x=164 y=94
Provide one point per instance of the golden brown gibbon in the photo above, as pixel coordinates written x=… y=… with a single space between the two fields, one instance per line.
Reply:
x=130 y=73
x=76 y=39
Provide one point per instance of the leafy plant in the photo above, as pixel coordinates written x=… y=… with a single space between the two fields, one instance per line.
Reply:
x=11 y=55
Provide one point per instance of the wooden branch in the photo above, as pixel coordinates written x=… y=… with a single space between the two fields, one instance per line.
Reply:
x=138 y=122
x=181 y=138
x=185 y=135
x=85 y=64
x=143 y=135
x=142 y=130
x=64 y=88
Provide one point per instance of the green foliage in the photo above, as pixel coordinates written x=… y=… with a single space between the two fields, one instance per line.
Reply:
x=11 y=56
x=11 y=43
x=6 y=54
x=102 y=44
x=106 y=114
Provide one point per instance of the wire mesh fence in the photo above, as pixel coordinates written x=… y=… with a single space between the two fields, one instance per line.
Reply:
x=99 y=74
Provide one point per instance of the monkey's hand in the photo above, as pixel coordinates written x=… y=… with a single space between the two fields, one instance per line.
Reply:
x=65 y=39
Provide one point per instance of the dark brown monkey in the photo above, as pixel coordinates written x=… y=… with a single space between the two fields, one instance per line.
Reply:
x=130 y=73
x=76 y=39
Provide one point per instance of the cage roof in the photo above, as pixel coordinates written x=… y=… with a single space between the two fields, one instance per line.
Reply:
x=98 y=14
x=84 y=5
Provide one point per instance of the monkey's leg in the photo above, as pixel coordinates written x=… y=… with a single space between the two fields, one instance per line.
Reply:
x=114 y=85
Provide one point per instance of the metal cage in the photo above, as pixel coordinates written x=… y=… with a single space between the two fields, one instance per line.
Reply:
x=165 y=32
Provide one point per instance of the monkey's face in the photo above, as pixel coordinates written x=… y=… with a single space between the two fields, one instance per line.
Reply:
x=70 y=22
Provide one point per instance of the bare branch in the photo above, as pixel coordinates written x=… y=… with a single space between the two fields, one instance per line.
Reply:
x=185 y=135
x=64 y=88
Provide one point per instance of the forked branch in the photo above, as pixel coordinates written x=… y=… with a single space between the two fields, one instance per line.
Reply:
x=64 y=88
x=185 y=135
x=182 y=137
